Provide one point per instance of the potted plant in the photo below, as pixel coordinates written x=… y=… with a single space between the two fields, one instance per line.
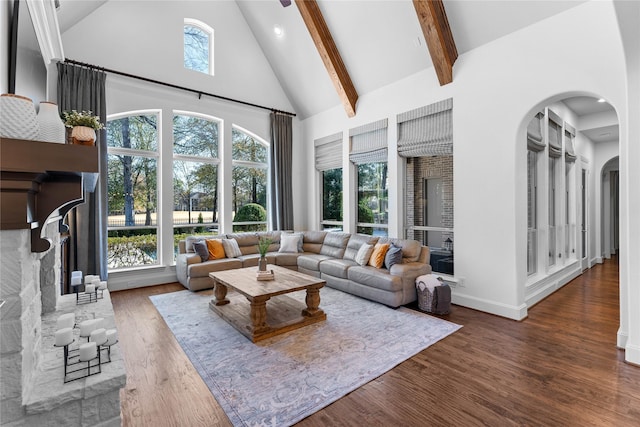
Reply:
x=263 y=247
x=83 y=126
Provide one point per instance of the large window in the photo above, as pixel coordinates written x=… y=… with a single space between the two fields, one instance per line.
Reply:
x=132 y=190
x=373 y=198
x=532 y=215
x=332 y=199
x=195 y=174
x=328 y=161
x=198 y=46
x=425 y=139
x=249 y=182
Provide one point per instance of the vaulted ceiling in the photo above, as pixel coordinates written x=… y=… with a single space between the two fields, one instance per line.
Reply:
x=378 y=42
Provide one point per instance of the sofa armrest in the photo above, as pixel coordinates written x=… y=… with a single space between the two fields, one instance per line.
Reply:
x=183 y=261
x=410 y=270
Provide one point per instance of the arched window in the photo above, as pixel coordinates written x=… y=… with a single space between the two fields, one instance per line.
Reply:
x=132 y=182
x=249 y=181
x=195 y=173
x=198 y=46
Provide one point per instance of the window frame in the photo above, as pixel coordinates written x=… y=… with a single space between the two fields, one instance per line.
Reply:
x=150 y=154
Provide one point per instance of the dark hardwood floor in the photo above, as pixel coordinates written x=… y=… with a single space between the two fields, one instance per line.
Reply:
x=559 y=367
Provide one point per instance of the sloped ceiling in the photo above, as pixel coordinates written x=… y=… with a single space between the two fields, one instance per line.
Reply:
x=380 y=41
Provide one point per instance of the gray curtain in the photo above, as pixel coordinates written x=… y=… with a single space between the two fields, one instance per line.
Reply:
x=281 y=150
x=80 y=89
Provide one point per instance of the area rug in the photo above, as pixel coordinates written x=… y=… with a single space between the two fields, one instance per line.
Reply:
x=281 y=380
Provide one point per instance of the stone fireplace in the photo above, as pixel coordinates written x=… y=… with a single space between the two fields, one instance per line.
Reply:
x=33 y=391
x=41 y=182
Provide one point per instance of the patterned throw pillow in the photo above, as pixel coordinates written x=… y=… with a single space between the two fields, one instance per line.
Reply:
x=215 y=248
x=393 y=256
x=377 y=257
x=364 y=253
x=231 y=248
x=200 y=247
x=290 y=243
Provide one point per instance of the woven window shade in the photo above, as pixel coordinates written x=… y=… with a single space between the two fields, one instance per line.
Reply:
x=329 y=152
x=555 y=141
x=426 y=131
x=569 y=149
x=534 y=134
x=369 y=143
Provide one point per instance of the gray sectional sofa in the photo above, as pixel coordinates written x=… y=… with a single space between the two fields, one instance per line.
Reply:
x=327 y=255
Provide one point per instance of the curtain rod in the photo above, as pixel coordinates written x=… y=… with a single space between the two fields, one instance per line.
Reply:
x=199 y=92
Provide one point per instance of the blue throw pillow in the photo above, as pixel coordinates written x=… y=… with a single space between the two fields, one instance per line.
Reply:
x=393 y=256
x=200 y=247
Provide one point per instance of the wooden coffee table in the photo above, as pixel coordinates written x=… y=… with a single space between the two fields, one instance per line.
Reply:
x=247 y=310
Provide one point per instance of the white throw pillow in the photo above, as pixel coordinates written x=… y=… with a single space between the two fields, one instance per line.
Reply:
x=231 y=248
x=290 y=243
x=364 y=253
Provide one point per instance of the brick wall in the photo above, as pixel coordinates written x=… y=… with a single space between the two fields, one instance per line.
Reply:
x=419 y=169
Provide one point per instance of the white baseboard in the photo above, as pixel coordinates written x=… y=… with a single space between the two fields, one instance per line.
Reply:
x=632 y=354
x=493 y=307
x=622 y=339
x=139 y=278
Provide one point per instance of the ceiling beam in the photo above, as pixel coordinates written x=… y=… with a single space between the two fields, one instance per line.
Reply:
x=437 y=33
x=328 y=51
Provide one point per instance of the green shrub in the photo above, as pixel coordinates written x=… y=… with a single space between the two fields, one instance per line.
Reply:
x=250 y=212
x=365 y=214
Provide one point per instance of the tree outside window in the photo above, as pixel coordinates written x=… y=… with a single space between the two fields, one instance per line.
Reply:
x=332 y=199
x=373 y=198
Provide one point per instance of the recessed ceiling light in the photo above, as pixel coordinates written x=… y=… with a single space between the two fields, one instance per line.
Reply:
x=278 y=30
x=601 y=100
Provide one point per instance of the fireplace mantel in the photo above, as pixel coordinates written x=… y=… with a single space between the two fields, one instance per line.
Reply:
x=41 y=182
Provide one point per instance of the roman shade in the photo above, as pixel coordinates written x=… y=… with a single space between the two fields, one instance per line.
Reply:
x=534 y=133
x=426 y=131
x=569 y=150
x=555 y=141
x=329 y=152
x=369 y=143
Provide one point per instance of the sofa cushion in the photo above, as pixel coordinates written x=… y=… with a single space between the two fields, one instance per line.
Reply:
x=231 y=248
x=312 y=241
x=375 y=277
x=200 y=248
x=215 y=249
x=247 y=242
x=377 y=257
x=286 y=259
x=393 y=256
x=312 y=261
x=336 y=267
x=251 y=260
x=355 y=243
x=335 y=244
x=364 y=253
x=203 y=269
x=274 y=236
x=410 y=248
x=188 y=242
x=290 y=243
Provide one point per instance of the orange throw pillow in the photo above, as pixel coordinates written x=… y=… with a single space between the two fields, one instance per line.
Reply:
x=377 y=257
x=216 y=250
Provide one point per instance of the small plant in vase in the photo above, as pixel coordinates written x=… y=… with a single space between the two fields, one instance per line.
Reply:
x=263 y=248
x=83 y=126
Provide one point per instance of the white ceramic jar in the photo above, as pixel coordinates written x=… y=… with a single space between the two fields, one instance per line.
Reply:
x=18 y=118
x=51 y=127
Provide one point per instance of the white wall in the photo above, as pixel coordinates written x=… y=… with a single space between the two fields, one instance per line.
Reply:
x=496 y=88
x=628 y=14
x=133 y=38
